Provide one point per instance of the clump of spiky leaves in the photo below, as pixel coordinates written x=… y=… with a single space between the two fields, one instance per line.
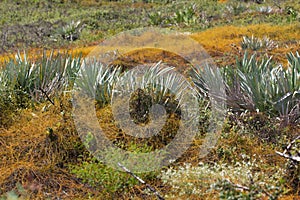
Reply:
x=6 y=103
x=97 y=80
x=153 y=92
x=71 y=31
x=41 y=79
x=258 y=84
x=24 y=81
x=151 y=85
x=236 y=8
x=186 y=16
x=18 y=77
x=251 y=80
x=254 y=43
x=288 y=81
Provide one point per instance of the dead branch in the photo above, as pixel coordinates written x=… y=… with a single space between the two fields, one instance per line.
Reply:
x=142 y=181
x=287 y=154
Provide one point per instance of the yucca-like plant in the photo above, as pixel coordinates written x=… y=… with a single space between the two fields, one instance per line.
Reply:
x=288 y=105
x=210 y=86
x=39 y=80
x=152 y=90
x=155 y=94
x=19 y=76
x=255 y=81
x=97 y=80
x=255 y=43
x=156 y=18
x=6 y=105
x=55 y=74
x=208 y=80
x=255 y=84
x=71 y=31
x=236 y=8
x=265 y=9
x=158 y=81
x=251 y=84
x=187 y=15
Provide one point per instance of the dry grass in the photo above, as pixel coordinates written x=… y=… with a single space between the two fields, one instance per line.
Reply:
x=223 y=42
x=34 y=158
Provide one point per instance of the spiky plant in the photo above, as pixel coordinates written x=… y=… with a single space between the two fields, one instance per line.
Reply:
x=288 y=80
x=255 y=80
x=255 y=84
x=265 y=9
x=71 y=31
x=254 y=43
x=41 y=79
x=97 y=80
x=54 y=74
x=19 y=75
x=186 y=16
x=151 y=87
x=208 y=80
x=159 y=81
x=6 y=104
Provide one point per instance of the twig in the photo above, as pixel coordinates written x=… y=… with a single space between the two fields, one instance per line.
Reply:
x=47 y=96
x=287 y=154
x=142 y=181
x=294 y=158
x=290 y=145
x=277 y=4
x=238 y=186
x=241 y=187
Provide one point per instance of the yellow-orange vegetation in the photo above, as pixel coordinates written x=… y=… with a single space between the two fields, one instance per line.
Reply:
x=226 y=40
x=220 y=42
x=151 y=55
x=31 y=157
x=221 y=38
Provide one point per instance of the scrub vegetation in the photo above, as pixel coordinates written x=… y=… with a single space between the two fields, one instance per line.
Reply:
x=44 y=44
